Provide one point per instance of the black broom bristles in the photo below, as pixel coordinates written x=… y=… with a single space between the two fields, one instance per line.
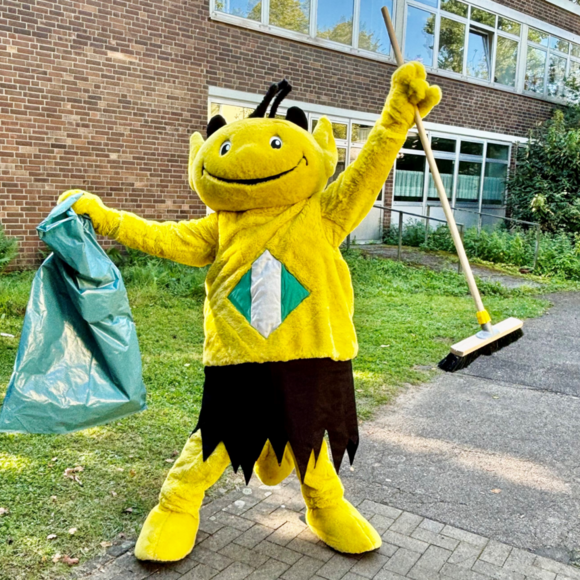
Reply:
x=452 y=363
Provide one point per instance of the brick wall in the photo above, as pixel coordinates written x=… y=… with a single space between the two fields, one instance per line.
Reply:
x=546 y=12
x=103 y=94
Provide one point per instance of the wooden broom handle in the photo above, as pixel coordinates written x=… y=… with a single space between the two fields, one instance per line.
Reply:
x=437 y=178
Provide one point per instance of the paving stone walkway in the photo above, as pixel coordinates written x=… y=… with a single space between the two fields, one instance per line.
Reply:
x=259 y=533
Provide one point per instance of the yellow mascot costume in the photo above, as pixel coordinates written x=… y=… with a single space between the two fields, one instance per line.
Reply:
x=279 y=334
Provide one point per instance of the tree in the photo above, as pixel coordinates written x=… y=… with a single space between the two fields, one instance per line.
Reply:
x=545 y=187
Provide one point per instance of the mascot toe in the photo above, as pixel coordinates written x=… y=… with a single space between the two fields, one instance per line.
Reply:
x=279 y=333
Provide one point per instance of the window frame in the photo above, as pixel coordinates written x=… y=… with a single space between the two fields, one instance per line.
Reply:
x=456 y=157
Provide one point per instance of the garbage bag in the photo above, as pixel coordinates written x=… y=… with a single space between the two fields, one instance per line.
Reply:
x=78 y=363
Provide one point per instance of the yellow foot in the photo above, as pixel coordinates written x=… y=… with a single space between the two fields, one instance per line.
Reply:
x=343 y=528
x=166 y=536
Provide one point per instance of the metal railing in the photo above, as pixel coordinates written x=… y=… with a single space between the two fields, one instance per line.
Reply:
x=415 y=215
x=480 y=215
x=461 y=226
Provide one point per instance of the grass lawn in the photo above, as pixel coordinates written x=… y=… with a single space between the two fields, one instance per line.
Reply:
x=406 y=319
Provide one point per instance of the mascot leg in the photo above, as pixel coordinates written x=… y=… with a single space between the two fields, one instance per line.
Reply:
x=170 y=529
x=269 y=470
x=331 y=517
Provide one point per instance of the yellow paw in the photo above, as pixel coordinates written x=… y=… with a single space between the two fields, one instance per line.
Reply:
x=166 y=536
x=343 y=528
x=410 y=89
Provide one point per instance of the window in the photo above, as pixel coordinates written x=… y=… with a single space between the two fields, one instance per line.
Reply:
x=421 y=28
x=479 y=53
x=335 y=19
x=468 y=40
x=551 y=61
x=496 y=171
x=372 y=34
x=451 y=45
x=506 y=61
x=473 y=172
x=291 y=15
x=410 y=181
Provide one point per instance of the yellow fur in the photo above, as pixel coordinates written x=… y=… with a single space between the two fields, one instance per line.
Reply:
x=288 y=216
x=269 y=470
x=331 y=517
x=170 y=529
x=291 y=214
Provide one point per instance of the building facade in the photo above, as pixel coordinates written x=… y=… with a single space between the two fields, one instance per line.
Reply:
x=103 y=94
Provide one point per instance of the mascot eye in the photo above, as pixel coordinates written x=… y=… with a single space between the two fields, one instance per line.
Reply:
x=275 y=143
x=225 y=148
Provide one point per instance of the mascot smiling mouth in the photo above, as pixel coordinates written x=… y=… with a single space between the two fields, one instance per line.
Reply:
x=257 y=180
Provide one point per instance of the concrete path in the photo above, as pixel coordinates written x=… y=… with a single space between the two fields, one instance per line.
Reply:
x=471 y=477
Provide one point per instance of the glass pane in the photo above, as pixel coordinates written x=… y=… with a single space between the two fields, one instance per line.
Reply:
x=574 y=78
x=495 y=151
x=559 y=44
x=469 y=148
x=455 y=7
x=231 y=113
x=506 y=61
x=446 y=168
x=507 y=25
x=557 y=76
x=576 y=50
x=443 y=144
x=494 y=183
x=483 y=17
x=479 y=54
x=341 y=164
x=251 y=9
x=420 y=36
x=291 y=14
x=413 y=142
x=538 y=36
x=372 y=32
x=360 y=133
x=334 y=20
x=433 y=3
x=409 y=178
x=451 y=45
x=468 y=182
x=535 y=69
x=339 y=130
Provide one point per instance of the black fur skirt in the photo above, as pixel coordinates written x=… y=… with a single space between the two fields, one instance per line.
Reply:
x=293 y=402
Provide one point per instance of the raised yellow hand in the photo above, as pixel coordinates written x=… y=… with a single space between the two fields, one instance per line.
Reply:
x=409 y=89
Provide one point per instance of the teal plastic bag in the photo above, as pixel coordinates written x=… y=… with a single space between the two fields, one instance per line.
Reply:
x=78 y=363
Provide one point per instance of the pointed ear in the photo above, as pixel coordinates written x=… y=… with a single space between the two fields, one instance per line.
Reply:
x=195 y=143
x=215 y=123
x=297 y=116
x=325 y=138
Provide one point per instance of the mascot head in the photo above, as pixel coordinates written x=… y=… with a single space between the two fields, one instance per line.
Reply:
x=261 y=161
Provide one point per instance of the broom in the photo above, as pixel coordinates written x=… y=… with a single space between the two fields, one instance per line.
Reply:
x=491 y=338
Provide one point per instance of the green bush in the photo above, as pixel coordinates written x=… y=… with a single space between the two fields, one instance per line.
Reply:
x=8 y=249
x=558 y=255
x=545 y=187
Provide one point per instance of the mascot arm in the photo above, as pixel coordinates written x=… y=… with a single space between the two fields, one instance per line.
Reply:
x=347 y=200
x=193 y=242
